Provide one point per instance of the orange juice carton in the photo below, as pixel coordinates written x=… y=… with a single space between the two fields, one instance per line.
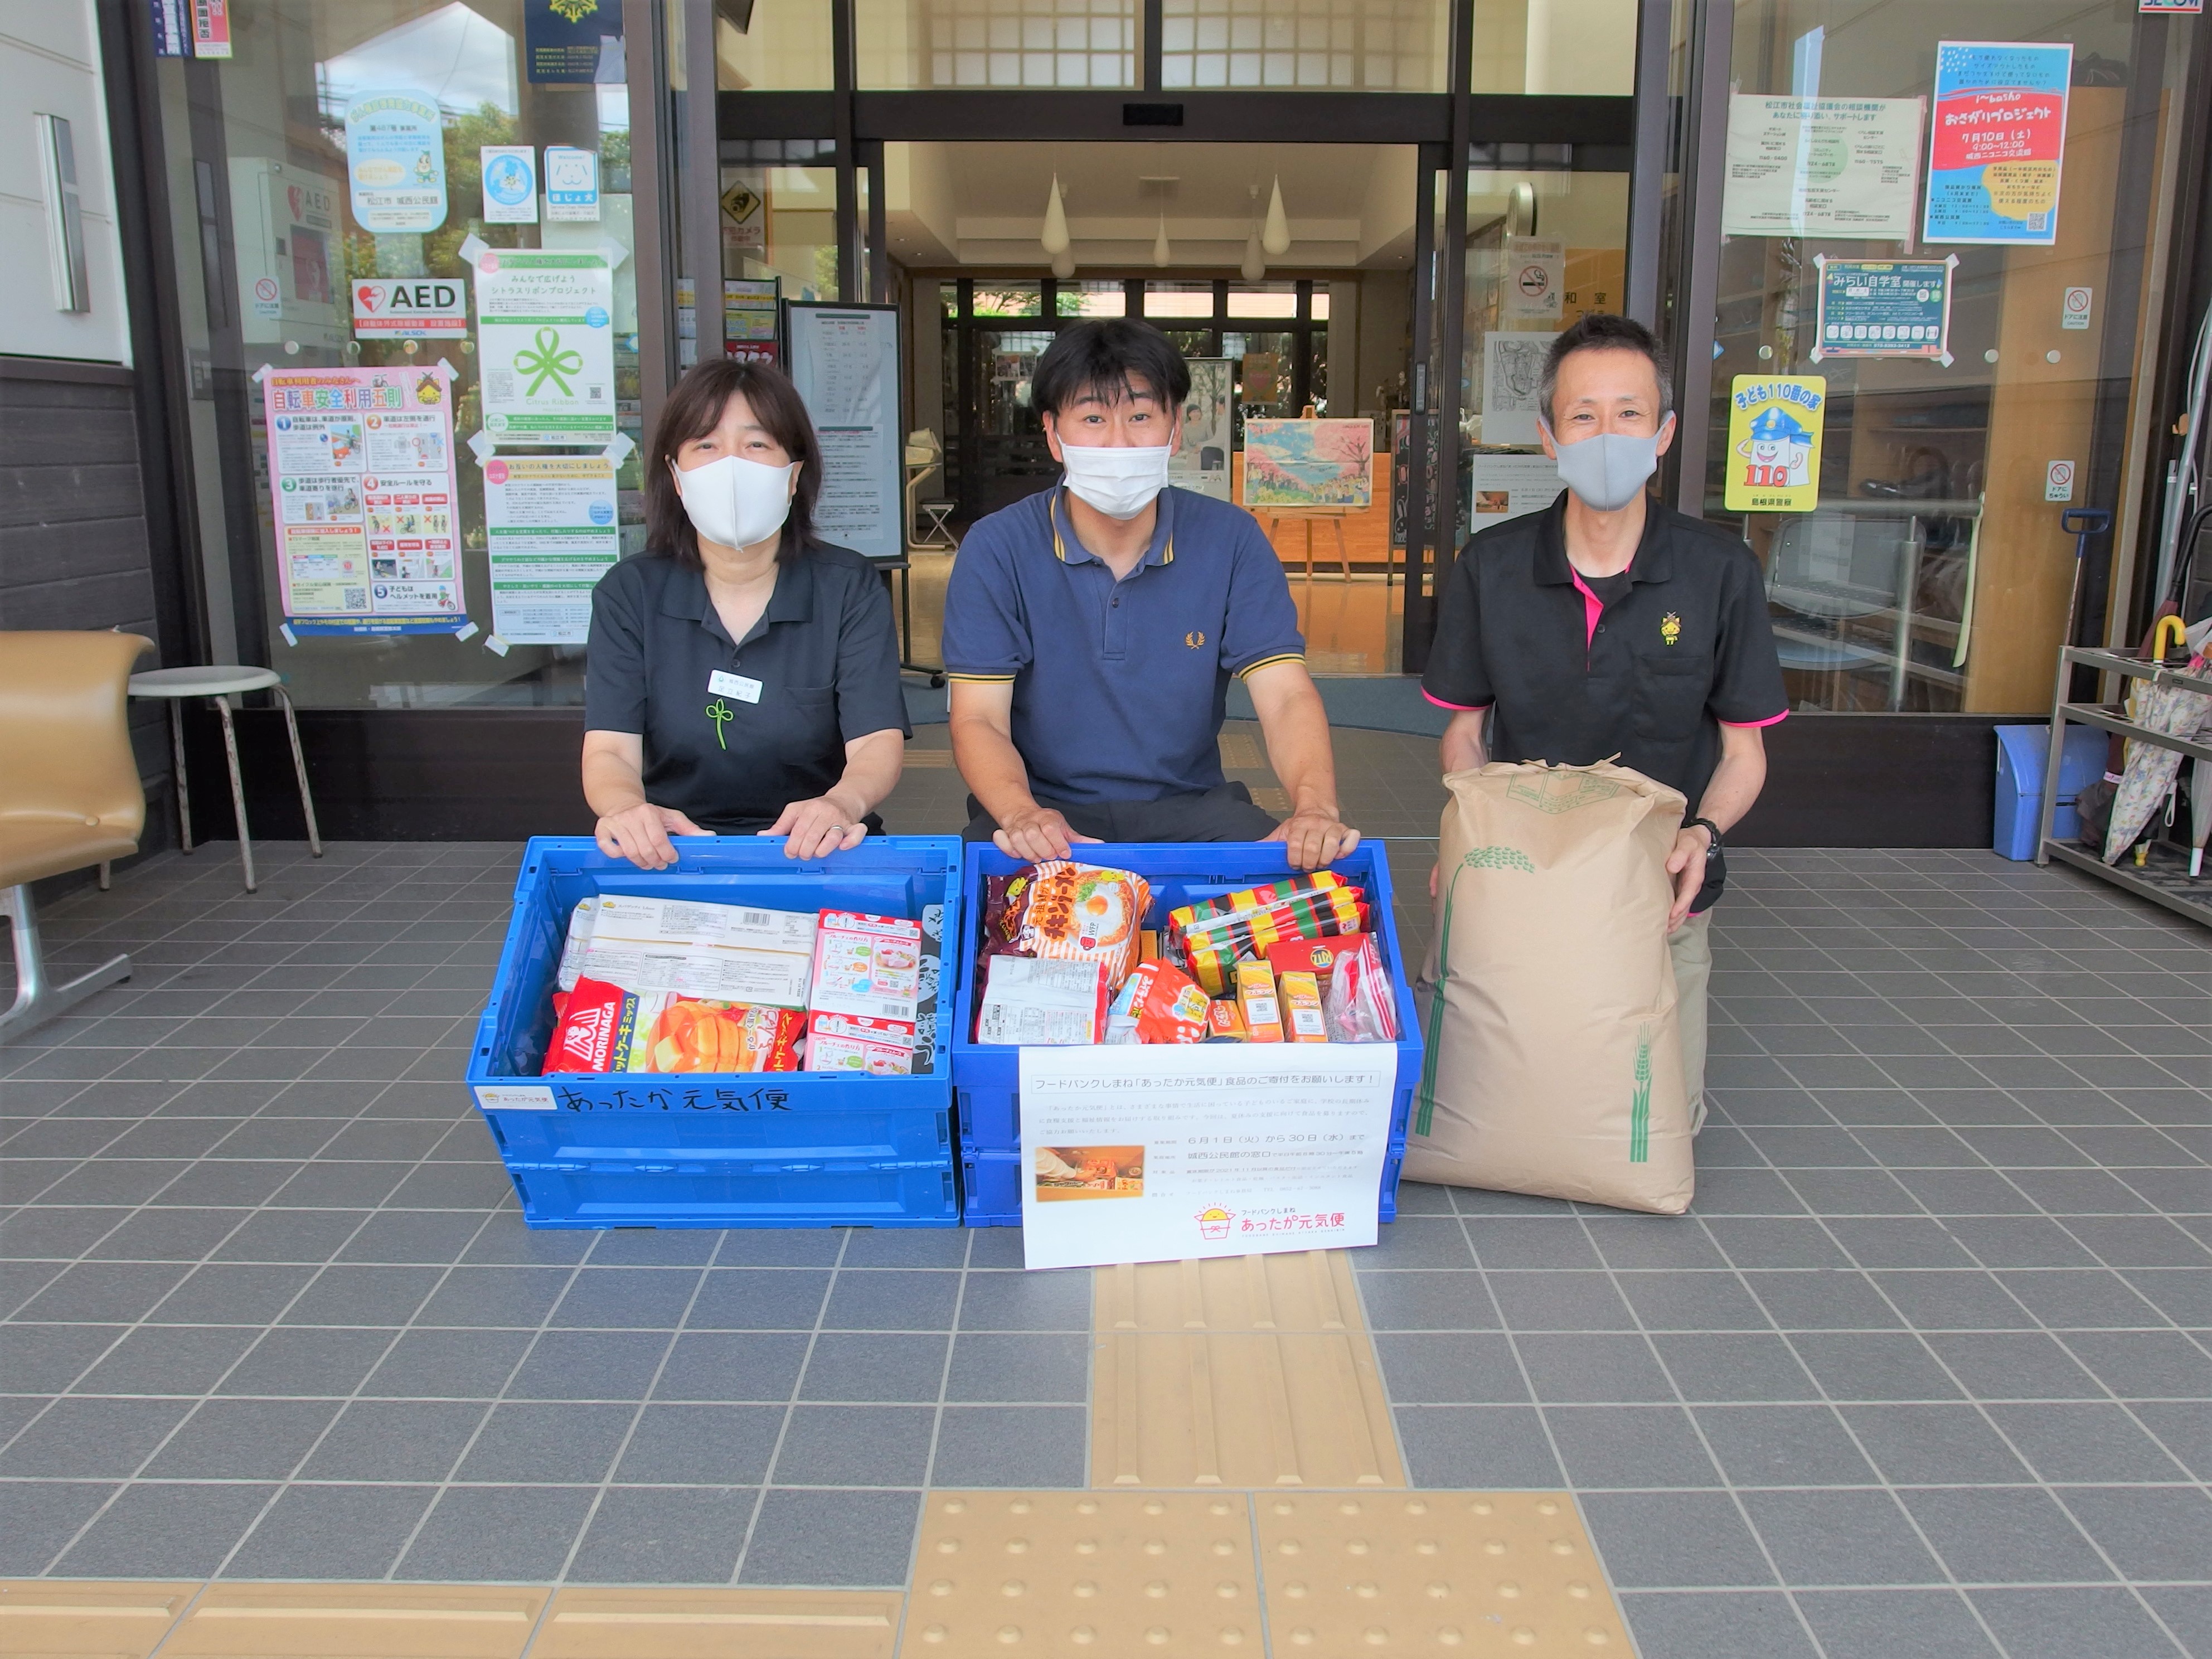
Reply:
x=1256 y=997
x=1302 y=1006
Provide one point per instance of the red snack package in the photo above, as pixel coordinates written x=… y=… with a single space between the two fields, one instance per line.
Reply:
x=1317 y=957
x=605 y=1028
x=1360 y=1004
x=1169 y=1008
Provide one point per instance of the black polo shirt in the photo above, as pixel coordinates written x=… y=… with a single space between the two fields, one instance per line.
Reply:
x=1569 y=679
x=735 y=731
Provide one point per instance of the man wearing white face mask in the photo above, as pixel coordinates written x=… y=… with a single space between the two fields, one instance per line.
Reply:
x=1091 y=634
x=1611 y=624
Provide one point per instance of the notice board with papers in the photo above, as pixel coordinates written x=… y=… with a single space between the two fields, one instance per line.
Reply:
x=845 y=362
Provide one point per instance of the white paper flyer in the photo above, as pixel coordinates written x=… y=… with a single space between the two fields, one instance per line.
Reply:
x=544 y=330
x=1821 y=166
x=550 y=531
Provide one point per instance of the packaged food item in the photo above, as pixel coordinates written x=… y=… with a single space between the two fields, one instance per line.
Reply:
x=1317 y=957
x=931 y=979
x=1031 y=1001
x=1302 y=1018
x=1360 y=1004
x=737 y=953
x=1212 y=934
x=1163 y=1005
x=1005 y=899
x=869 y=967
x=854 y=1042
x=1225 y=1021
x=1082 y=913
x=1256 y=998
x=605 y=1028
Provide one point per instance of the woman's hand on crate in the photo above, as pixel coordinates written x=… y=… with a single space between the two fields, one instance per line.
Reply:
x=815 y=829
x=640 y=834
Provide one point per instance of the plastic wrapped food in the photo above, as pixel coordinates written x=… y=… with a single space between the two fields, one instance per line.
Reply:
x=1256 y=997
x=1164 y=1004
x=1047 y=1004
x=604 y=1027
x=1082 y=913
x=1360 y=1004
x=1212 y=934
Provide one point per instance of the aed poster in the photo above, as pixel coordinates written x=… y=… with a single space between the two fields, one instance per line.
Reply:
x=1774 y=442
x=1821 y=166
x=410 y=308
x=396 y=161
x=1177 y=1152
x=845 y=362
x=551 y=530
x=1997 y=143
x=363 y=497
x=1884 y=308
x=546 y=334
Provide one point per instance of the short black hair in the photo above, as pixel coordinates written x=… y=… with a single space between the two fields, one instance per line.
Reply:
x=1109 y=358
x=1601 y=331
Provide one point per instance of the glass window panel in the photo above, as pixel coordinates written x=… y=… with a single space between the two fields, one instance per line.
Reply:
x=796 y=241
x=1265 y=300
x=1178 y=299
x=948 y=299
x=784 y=46
x=1344 y=46
x=1080 y=299
x=1563 y=46
x=903 y=45
x=1009 y=299
x=1320 y=303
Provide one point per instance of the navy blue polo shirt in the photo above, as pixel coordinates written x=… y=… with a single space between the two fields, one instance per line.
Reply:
x=1120 y=687
x=823 y=655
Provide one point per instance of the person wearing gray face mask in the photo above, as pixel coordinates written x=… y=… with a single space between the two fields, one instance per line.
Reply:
x=1610 y=625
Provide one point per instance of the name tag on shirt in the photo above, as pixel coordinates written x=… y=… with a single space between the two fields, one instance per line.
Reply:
x=734 y=685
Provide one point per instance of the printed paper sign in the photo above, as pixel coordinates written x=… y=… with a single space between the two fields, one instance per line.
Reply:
x=510 y=184
x=410 y=308
x=1997 y=143
x=572 y=184
x=210 y=29
x=2058 y=482
x=1200 y=460
x=1512 y=383
x=1884 y=308
x=1534 y=276
x=1164 y=1153
x=572 y=42
x=845 y=362
x=2074 y=310
x=361 y=475
x=745 y=209
x=1512 y=486
x=544 y=334
x=549 y=526
x=1774 y=442
x=1821 y=166
x=396 y=161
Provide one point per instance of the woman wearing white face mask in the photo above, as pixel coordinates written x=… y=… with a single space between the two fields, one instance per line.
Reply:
x=744 y=676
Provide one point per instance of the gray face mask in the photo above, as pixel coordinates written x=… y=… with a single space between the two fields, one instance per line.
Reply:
x=1609 y=469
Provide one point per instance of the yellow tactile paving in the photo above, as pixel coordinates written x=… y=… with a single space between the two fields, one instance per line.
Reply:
x=1084 y=1573
x=41 y=1617
x=357 y=1621
x=1246 y=1371
x=1432 y=1572
x=711 y=1623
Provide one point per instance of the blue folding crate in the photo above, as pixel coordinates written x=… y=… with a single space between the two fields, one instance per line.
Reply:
x=987 y=1077
x=756 y=1149
x=991 y=1185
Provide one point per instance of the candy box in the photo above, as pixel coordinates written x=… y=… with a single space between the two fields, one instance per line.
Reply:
x=1302 y=1016
x=1317 y=957
x=854 y=1042
x=1256 y=997
x=869 y=967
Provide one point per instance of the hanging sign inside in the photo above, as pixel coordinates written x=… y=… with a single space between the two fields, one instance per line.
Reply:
x=1884 y=309
x=1774 y=442
x=1997 y=144
x=360 y=474
x=396 y=161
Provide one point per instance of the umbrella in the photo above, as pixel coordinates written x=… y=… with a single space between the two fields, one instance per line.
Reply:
x=2148 y=776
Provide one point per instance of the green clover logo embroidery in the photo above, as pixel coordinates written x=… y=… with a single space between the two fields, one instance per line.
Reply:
x=548 y=362
x=721 y=714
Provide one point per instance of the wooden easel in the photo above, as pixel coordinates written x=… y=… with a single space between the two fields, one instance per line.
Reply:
x=1334 y=514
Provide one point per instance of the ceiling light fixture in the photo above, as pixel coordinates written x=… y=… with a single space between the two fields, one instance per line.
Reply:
x=1055 y=237
x=1063 y=264
x=1160 y=254
x=1277 y=238
x=1254 y=266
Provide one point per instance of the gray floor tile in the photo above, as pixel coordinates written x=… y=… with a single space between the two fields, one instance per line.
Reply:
x=1440 y=1369
x=1431 y=1300
x=442 y=1364
x=1738 y=1625
x=693 y=1445
x=1775 y=1446
x=94 y=1292
x=759 y=1299
x=832 y=1538
x=1646 y=1242
x=168 y=1359
x=2184 y=1428
x=1477 y=1446
x=308 y=1361
x=1935 y=1445
x=1928 y=1623
x=2065 y=1623
x=1841 y=1300
x=1949 y=1299
x=479 y=1297
x=38 y=1518
x=166 y=1235
x=2004 y=1535
x=590 y=1365
x=811 y=1247
x=1010 y=1446
x=1727 y=1365
x=627 y=1299
x=1019 y=1369
x=92 y=1438
x=894 y=1300
x=2151 y=1533
x=2144 y=1364
x=347 y=1295
x=2081 y=1299
x=395 y=1440
x=1873 y=1365
x=855 y=1446
x=1840 y=1538
x=242 y=1440
x=1420 y=1242
x=331 y=1532
x=906 y=1248
x=718 y=1367
x=1694 y=1302
x=231 y=1293
x=2187 y=1611
x=665 y=1536
x=1559 y=1301
x=1593 y=1368
x=885 y=1366
x=1686 y=1540
x=164 y=1530
x=2087 y=1441
x=2013 y=1365
x=499 y=1534
x=1532 y=1242
x=529 y=1443
x=312 y=1236
x=1630 y=1446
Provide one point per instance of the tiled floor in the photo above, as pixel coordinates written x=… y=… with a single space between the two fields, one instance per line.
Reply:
x=1926 y=1373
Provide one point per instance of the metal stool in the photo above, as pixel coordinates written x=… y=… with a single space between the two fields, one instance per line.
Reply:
x=218 y=683
x=933 y=527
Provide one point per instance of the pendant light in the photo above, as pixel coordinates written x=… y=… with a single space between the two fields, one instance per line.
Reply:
x=1276 y=238
x=1160 y=254
x=1063 y=264
x=1255 y=267
x=1055 y=238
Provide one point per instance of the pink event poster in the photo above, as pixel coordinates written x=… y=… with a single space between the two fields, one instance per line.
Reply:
x=363 y=497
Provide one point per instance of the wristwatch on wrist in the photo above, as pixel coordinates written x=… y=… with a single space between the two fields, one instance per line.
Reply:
x=1710 y=828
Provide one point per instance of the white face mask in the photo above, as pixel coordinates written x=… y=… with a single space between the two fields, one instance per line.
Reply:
x=735 y=502
x=1119 y=481
x=1607 y=469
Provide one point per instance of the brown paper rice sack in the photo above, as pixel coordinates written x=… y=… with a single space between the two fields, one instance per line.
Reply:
x=1554 y=1065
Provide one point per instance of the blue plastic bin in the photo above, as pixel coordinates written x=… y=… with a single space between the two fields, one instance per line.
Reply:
x=785 y=1149
x=987 y=1077
x=2022 y=753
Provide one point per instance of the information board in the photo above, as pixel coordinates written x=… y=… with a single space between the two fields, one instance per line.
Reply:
x=546 y=334
x=1884 y=308
x=1821 y=166
x=551 y=530
x=845 y=362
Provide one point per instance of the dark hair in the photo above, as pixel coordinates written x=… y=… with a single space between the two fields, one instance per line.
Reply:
x=693 y=409
x=1110 y=359
x=1600 y=330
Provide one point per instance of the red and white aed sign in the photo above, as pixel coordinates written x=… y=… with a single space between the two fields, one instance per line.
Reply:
x=410 y=308
x=2058 y=482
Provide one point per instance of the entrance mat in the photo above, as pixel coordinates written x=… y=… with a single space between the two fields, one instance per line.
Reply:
x=1326 y=1573
x=1244 y=1371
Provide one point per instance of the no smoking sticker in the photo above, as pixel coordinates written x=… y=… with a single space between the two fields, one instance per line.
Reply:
x=2074 y=310
x=2058 y=482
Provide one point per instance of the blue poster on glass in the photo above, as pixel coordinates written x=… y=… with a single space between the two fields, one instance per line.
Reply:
x=396 y=161
x=572 y=42
x=1997 y=144
x=1884 y=309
